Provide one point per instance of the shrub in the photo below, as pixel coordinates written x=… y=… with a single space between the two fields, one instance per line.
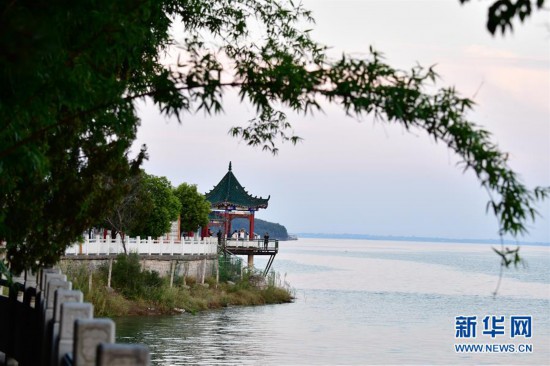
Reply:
x=133 y=282
x=126 y=275
x=230 y=268
x=141 y=292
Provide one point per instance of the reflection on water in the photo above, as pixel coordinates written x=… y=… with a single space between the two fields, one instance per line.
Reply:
x=341 y=317
x=226 y=336
x=207 y=339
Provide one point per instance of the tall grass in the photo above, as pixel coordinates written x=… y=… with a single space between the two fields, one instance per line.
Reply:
x=135 y=291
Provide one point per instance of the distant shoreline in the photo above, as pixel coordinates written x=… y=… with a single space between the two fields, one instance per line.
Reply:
x=416 y=239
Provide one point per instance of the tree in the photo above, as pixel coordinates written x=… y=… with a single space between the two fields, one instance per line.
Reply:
x=148 y=208
x=66 y=129
x=163 y=207
x=42 y=216
x=501 y=13
x=194 y=207
x=71 y=73
x=132 y=211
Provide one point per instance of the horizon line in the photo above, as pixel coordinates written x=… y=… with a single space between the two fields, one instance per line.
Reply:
x=417 y=238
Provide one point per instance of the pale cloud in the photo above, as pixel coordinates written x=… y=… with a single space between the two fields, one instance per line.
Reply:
x=527 y=80
x=483 y=52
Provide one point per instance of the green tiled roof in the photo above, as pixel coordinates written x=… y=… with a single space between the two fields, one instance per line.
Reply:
x=229 y=193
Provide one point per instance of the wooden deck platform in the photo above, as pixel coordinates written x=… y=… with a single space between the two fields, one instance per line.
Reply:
x=251 y=250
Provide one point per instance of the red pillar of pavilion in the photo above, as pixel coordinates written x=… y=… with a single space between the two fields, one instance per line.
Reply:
x=226 y=225
x=251 y=221
x=228 y=218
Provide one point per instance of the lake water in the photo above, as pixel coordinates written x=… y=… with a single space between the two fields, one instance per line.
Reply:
x=365 y=302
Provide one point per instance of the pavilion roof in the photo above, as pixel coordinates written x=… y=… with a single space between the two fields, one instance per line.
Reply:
x=229 y=193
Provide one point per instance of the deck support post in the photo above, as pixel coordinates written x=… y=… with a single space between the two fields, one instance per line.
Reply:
x=269 y=263
x=251 y=261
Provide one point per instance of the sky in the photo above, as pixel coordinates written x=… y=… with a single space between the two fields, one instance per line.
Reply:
x=365 y=177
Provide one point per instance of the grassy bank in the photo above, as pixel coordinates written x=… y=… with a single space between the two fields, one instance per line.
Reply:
x=135 y=291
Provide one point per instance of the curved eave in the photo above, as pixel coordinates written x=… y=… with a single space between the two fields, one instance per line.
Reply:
x=230 y=194
x=238 y=206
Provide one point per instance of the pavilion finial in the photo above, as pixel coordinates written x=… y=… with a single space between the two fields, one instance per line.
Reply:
x=229 y=166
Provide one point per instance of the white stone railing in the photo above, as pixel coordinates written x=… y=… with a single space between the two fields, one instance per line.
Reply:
x=148 y=246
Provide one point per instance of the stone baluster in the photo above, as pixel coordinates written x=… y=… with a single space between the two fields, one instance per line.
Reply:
x=118 y=244
x=122 y=355
x=45 y=279
x=30 y=279
x=43 y=274
x=88 y=334
x=53 y=283
x=70 y=312
x=61 y=296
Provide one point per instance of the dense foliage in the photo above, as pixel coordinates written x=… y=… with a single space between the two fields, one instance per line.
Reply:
x=131 y=280
x=165 y=207
x=194 y=207
x=72 y=72
x=151 y=205
x=148 y=209
x=131 y=211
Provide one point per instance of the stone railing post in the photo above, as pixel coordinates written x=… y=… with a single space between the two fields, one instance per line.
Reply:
x=118 y=243
x=122 y=355
x=53 y=283
x=43 y=273
x=62 y=297
x=52 y=286
x=86 y=244
x=88 y=334
x=70 y=312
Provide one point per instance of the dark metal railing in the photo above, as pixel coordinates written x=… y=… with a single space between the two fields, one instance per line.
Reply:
x=260 y=244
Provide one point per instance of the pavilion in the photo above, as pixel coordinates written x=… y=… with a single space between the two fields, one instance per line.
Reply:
x=230 y=200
